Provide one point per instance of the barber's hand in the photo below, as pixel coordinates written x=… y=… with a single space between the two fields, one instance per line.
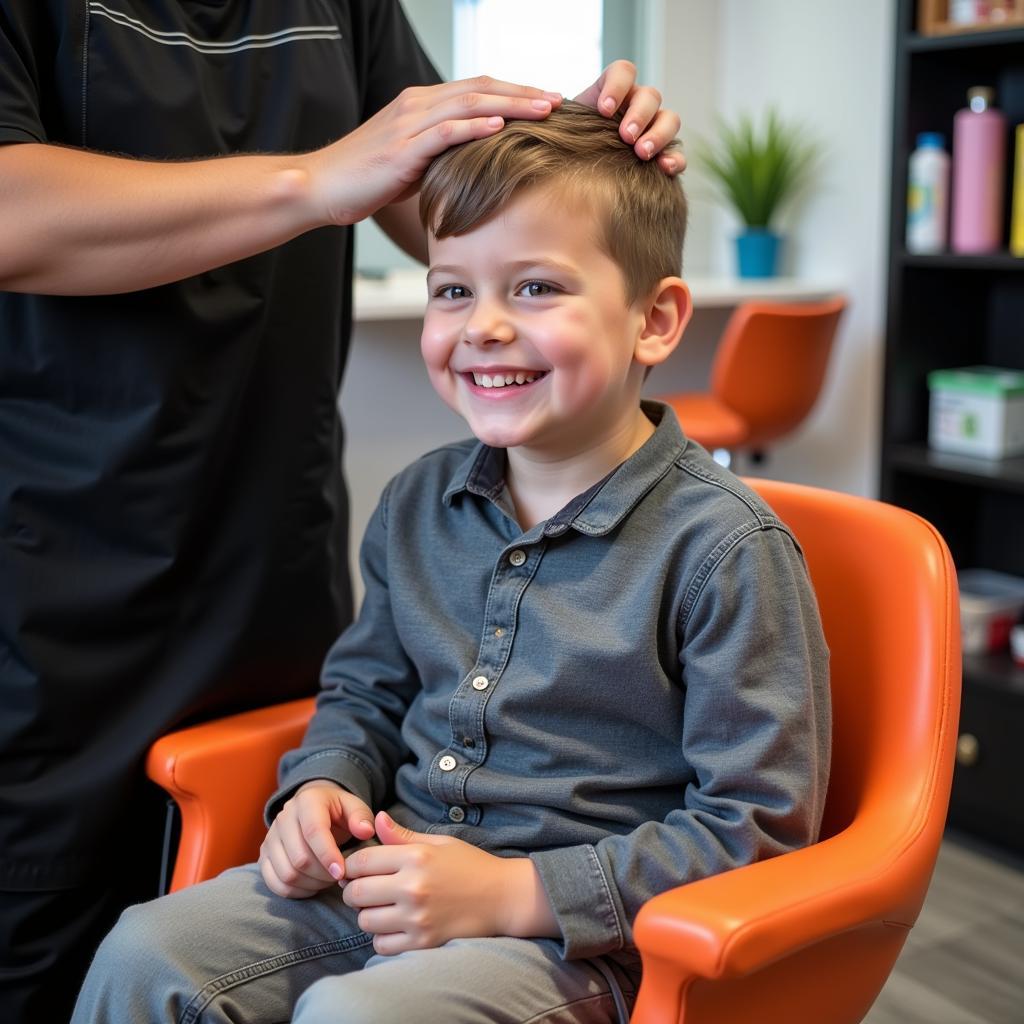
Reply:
x=383 y=159
x=300 y=854
x=418 y=890
x=644 y=123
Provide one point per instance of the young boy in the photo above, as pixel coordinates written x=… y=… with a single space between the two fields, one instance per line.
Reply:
x=588 y=665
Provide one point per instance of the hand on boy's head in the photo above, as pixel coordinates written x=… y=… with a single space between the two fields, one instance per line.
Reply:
x=382 y=160
x=300 y=855
x=645 y=124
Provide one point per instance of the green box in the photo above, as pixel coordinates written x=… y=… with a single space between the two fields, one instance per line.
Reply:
x=977 y=410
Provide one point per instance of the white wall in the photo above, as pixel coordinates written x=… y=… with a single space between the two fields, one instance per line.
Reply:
x=827 y=63
x=679 y=52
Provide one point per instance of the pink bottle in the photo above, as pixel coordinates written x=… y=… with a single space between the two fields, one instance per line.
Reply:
x=979 y=163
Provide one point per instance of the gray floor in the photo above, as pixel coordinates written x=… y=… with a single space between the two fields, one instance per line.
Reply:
x=964 y=960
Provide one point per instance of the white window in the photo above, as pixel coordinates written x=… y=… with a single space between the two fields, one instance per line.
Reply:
x=553 y=44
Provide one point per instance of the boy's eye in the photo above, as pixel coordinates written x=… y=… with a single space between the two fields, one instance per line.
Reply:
x=452 y=291
x=536 y=289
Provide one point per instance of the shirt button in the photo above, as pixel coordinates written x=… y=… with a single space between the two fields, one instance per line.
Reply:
x=481 y=683
x=468 y=741
x=517 y=557
x=456 y=814
x=447 y=763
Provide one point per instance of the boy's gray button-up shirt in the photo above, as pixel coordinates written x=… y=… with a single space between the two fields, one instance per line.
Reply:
x=633 y=693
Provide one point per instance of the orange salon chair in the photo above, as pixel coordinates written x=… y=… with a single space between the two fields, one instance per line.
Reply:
x=766 y=376
x=810 y=936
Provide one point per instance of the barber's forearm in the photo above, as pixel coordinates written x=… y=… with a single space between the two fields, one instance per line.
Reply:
x=401 y=223
x=79 y=223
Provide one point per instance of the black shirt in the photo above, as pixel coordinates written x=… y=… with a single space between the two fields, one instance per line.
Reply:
x=173 y=519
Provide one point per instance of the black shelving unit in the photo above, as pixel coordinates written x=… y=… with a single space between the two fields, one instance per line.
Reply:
x=944 y=311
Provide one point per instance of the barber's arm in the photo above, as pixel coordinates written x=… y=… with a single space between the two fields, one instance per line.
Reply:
x=77 y=223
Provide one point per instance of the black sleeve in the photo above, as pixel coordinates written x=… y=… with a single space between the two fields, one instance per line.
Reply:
x=23 y=34
x=391 y=57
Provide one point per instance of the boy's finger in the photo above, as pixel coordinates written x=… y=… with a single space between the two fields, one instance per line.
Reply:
x=375 y=860
x=275 y=884
x=373 y=891
x=275 y=858
x=314 y=833
x=392 y=944
x=391 y=833
x=381 y=920
x=324 y=848
x=300 y=854
x=359 y=821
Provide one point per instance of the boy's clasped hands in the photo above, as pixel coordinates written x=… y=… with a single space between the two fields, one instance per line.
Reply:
x=415 y=890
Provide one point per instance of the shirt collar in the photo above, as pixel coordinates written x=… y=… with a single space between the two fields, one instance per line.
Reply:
x=602 y=507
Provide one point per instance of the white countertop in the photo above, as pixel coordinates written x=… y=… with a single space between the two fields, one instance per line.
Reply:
x=403 y=294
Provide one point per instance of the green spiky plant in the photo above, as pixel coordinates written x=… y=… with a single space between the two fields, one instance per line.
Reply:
x=757 y=172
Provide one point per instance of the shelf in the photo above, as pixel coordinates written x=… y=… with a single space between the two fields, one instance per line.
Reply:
x=962 y=261
x=994 y=671
x=972 y=38
x=999 y=474
x=402 y=294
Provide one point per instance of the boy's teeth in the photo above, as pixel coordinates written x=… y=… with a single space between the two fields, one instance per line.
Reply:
x=500 y=380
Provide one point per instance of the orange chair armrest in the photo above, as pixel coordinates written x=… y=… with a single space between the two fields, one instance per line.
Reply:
x=740 y=921
x=220 y=773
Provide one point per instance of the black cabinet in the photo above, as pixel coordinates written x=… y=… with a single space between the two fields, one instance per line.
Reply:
x=945 y=311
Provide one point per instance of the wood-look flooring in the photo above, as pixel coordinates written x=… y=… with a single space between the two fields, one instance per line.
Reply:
x=964 y=960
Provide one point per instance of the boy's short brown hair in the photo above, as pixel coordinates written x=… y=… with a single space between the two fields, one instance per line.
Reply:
x=640 y=209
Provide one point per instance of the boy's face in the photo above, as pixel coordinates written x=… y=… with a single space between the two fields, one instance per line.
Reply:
x=529 y=297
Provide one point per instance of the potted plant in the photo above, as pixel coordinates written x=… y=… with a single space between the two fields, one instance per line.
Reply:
x=757 y=173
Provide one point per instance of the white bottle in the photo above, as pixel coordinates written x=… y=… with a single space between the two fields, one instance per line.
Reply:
x=928 y=195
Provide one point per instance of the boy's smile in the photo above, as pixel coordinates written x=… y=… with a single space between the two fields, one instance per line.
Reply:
x=528 y=334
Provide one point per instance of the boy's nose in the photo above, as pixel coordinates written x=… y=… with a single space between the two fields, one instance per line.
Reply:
x=488 y=325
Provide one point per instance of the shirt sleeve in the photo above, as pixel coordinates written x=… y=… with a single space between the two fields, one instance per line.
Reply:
x=756 y=734
x=21 y=29
x=367 y=685
x=391 y=58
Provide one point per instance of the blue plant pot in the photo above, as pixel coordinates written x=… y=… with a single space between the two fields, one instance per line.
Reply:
x=758 y=252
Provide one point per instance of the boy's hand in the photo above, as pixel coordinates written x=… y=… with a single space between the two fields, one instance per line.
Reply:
x=644 y=124
x=300 y=855
x=383 y=159
x=417 y=891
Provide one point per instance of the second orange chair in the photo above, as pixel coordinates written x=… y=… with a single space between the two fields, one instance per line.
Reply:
x=767 y=373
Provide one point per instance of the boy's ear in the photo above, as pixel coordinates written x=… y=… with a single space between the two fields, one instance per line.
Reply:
x=667 y=312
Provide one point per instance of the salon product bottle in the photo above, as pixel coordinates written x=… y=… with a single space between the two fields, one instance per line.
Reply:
x=979 y=157
x=1017 y=216
x=927 y=195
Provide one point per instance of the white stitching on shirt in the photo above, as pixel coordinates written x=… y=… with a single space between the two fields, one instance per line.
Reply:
x=251 y=42
x=85 y=72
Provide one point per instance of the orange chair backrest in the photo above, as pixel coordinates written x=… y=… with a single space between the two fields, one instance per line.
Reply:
x=771 y=362
x=887 y=592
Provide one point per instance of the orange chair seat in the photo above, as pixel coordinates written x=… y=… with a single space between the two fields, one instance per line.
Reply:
x=708 y=421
